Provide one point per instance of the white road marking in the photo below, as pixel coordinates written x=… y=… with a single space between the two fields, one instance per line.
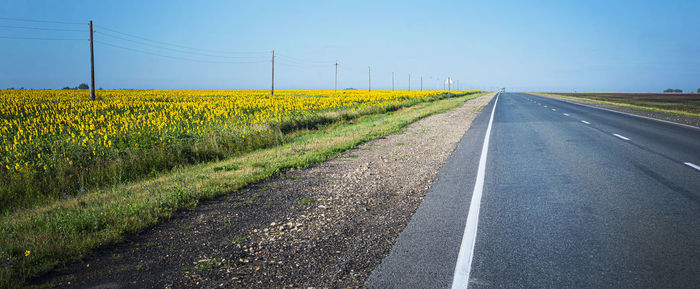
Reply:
x=620 y=136
x=630 y=114
x=692 y=165
x=583 y=121
x=566 y=114
x=554 y=109
x=466 y=249
x=545 y=106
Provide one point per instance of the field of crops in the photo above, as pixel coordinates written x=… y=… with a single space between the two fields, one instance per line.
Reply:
x=57 y=143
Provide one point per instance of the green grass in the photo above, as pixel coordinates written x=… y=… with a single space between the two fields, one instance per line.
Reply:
x=67 y=229
x=688 y=106
x=229 y=167
x=305 y=202
x=239 y=240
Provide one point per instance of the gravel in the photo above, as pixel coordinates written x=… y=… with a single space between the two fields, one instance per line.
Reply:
x=325 y=226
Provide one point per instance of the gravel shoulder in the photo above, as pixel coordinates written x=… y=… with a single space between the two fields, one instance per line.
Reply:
x=694 y=121
x=328 y=225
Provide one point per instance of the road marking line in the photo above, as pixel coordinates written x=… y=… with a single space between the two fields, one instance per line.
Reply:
x=620 y=136
x=583 y=121
x=545 y=106
x=466 y=249
x=554 y=109
x=620 y=112
x=692 y=165
x=566 y=114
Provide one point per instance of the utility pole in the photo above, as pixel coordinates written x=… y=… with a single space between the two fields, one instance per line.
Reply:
x=409 y=82
x=369 y=79
x=392 y=81
x=449 y=84
x=272 y=90
x=335 y=86
x=421 y=83
x=92 y=67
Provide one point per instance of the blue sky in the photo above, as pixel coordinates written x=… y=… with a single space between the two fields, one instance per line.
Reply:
x=522 y=45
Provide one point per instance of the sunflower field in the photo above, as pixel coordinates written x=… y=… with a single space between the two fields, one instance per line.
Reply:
x=58 y=143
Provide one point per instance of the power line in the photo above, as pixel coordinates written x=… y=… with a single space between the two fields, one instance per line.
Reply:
x=181 y=46
x=306 y=61
x=175 y=57
x=41 y=28
x=41 y=38
x=174 y=49
x=282 y=62
x=289 y=61
x=41 y=21
x=297 y=66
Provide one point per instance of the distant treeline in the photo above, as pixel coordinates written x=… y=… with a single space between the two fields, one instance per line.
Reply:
x=675 y=90
x=672 y=90
x=81 y=86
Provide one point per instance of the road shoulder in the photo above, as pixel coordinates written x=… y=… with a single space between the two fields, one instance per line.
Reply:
x=426 y=252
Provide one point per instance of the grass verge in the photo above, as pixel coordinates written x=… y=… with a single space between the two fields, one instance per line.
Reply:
x=651 y=106
x=33 y=241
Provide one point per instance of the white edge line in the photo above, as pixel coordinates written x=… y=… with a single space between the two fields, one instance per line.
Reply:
x=621 y=136
x=566 y=114
x=692 y=165
x=466 y=249
x=615 y=111
x=583 y=121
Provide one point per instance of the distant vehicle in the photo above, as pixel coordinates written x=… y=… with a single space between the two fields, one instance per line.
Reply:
x=503 y=89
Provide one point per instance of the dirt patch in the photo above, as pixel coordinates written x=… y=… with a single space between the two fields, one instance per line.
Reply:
x=325 y=226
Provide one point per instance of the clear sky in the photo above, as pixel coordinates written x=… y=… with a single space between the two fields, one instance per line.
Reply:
x=559 y=45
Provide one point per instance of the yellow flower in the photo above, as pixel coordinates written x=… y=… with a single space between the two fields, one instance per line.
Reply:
x=38 y=127
x=26 y=253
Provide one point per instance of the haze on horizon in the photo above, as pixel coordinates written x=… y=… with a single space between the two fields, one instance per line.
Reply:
x=625 y=46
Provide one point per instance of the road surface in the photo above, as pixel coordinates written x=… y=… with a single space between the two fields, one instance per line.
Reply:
x=569 y=196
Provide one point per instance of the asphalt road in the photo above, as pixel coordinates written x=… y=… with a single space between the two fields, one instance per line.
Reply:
x=573 y=197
